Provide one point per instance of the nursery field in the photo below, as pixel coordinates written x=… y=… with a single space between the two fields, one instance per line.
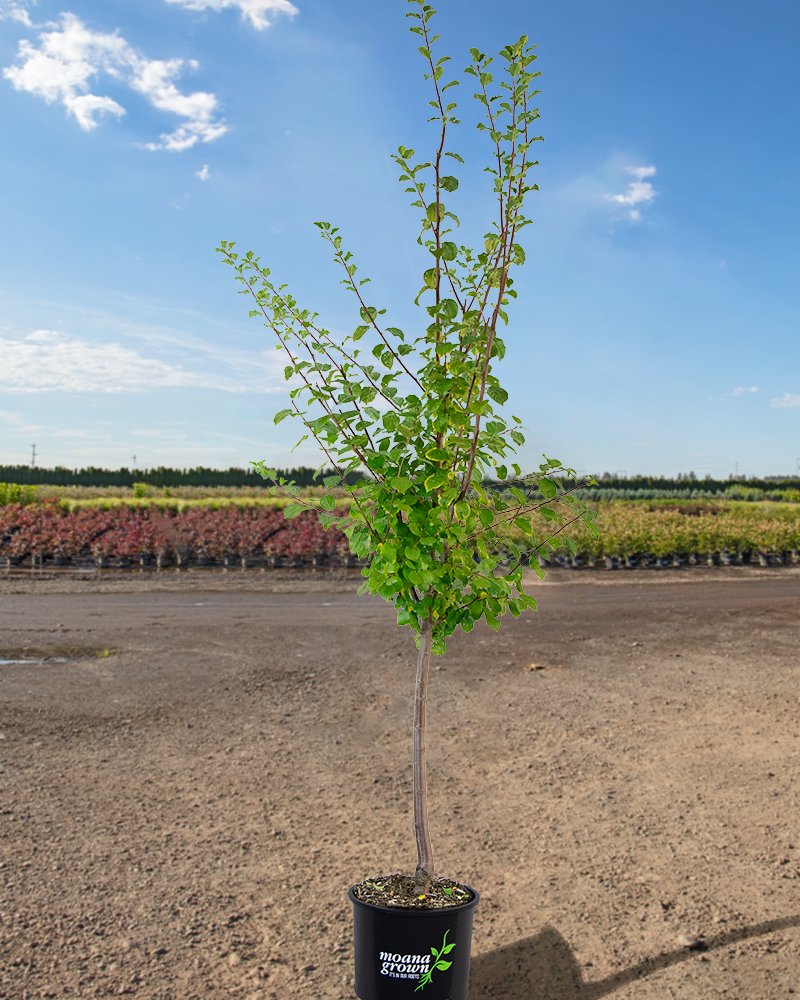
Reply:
x=201 y=764
x=119 y=532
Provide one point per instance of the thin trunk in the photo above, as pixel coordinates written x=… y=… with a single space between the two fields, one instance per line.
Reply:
x=424 y=872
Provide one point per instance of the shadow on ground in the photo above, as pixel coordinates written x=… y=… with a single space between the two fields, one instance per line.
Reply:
x=543 y=967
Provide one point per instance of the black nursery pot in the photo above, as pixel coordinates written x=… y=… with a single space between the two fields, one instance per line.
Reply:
x=393 y=950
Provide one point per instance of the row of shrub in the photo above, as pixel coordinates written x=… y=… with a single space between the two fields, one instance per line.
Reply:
x=636 y=529
x=193 y=487
x=176 y=498
x=752 y=494
x=225 y=531
x=125 y=534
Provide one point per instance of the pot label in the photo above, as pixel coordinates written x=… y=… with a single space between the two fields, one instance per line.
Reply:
x=404 y=966
x=397 y=966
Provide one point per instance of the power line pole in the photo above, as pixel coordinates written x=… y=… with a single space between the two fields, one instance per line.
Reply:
x=33 y=457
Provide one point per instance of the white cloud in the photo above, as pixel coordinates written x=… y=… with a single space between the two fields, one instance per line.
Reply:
x=255 y=10
x=71 y=55
x=787 y=400
x=16 y=10
x=741 y=390
x=46 y=361
x=203 y=173
x=639 y=191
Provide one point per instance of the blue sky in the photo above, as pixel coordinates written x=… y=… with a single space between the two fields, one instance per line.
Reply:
x=657 y=319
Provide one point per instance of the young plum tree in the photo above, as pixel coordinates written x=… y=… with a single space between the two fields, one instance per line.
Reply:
x=423 y=413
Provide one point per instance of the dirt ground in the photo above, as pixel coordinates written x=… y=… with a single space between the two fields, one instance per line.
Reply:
x=181 y=819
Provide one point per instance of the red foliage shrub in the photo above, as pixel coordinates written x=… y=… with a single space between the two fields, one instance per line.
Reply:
x=129 y=533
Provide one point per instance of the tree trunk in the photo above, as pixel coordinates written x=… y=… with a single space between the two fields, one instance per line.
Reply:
x=424 y=872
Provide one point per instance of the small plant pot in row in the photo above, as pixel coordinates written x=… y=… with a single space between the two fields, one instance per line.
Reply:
x=230 y=561
x=677 y=560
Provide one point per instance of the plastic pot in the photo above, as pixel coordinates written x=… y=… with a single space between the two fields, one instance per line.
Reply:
x=393 y=951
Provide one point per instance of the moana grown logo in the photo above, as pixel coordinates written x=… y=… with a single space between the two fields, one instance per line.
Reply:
x=416 y=966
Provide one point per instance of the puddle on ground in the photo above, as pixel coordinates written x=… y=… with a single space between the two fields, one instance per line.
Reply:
x=60 y=659
x=21 y=655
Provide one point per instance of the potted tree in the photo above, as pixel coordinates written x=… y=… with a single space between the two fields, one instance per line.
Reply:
x=423 y=415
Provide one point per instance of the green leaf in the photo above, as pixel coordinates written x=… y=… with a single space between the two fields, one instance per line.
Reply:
x=486 y=516
x=430 y=212
x=436 y=480
x=359 y=332
x=443 y=965
x=429 y=277
x=438 y=455
x=448 y=183
x=548 y=488
x=293 y=509
x=448 y=948
x=498 y=395
x=455 y=157
x=462 y=509
x=281 y=415
x=327 y=502
x=449 y=250
x=400 y=483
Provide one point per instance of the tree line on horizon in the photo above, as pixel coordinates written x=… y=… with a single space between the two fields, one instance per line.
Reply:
x=26 y=475
x=160 y=476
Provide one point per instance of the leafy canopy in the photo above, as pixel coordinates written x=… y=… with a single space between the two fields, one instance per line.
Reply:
x=422 y=413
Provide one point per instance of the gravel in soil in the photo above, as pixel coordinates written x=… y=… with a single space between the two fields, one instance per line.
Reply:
x=182 y=820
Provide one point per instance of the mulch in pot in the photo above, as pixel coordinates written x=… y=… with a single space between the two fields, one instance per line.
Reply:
x=398 y=891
